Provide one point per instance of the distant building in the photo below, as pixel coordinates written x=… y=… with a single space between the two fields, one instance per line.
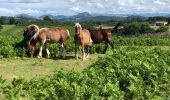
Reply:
x=160 y=23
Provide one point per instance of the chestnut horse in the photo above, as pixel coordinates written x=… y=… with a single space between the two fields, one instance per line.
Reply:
x=83 y=38
x=98 y=36
x=44 y=36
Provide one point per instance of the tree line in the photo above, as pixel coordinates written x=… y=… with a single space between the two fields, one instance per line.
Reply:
x=132 y=25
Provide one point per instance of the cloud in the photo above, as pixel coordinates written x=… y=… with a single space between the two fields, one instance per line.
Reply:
x=9 y=12
x=21 y=1
x=159 y=2
x=75 y=9
x=99 y=5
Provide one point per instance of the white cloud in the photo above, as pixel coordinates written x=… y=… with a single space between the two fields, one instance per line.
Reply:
x=159 y=2
x=99 y=5
x=21 y=1
x=16 y=11
x=76 y=9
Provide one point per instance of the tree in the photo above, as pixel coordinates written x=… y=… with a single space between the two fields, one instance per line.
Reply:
x=2 y=20
x=132 y=28
x=12 y=21
x=145 y=28
x=137 y=28
x=47 y=18
x=0 y=27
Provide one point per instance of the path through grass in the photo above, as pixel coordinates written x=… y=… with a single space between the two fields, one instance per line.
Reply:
x=34 y=67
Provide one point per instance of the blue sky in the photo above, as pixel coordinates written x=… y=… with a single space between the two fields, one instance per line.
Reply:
x=71 y=7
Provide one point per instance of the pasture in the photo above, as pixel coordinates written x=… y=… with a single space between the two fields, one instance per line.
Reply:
x=24 y=67
x=137 y=68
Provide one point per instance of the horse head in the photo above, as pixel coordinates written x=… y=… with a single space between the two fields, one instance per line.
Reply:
x=30 y=36
x=77 y=28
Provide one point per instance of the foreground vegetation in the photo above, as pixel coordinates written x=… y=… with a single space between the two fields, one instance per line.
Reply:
x=130 y=73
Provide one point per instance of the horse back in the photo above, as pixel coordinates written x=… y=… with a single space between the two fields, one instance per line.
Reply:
x=96 y=36
x=53 y=34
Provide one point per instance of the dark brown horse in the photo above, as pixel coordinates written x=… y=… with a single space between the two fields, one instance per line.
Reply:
x=83 y=38
x=44 y=36
x=98 y=36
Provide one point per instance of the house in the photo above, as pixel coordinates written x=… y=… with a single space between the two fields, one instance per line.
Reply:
x=160 y=23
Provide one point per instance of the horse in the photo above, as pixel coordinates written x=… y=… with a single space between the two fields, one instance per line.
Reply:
x=44 y=36
x=98 y=36
x=83 y=38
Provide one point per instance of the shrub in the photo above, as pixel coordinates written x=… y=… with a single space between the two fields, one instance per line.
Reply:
x=163 y=29
x=132 y=28
x=135 y=28
x=145 y=28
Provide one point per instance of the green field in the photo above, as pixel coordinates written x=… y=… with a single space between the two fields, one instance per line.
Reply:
x=33 y=67
x=137 y=68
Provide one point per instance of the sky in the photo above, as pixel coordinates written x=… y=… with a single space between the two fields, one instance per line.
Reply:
x=71 y=7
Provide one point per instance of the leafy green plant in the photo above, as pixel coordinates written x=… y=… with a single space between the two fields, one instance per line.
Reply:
x=163 y=29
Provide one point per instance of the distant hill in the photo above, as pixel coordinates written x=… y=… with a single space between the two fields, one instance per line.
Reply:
x=53 y=17
x=86 y=16
x=24 y=15
x=82 y=15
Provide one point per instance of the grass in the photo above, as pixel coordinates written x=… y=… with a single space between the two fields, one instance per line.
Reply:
x=33 y=67
x=6 y=27
x=156 y=27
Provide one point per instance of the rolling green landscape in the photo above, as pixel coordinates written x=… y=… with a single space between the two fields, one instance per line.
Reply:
x=137 y=68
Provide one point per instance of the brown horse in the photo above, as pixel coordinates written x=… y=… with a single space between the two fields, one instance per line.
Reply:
x=44 y=36
x=98 y=36
x=83 y=38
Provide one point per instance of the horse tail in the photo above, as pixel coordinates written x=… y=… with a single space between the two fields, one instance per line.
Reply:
x=68 y=33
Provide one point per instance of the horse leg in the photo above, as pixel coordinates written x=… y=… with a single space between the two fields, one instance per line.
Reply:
x=76 y=55
x=63 y=50
x=40 y=52
x=83 y=52
x=48 y=52
x=112 y=45
x=106 y=46
x=42 y=42
x=87 y=52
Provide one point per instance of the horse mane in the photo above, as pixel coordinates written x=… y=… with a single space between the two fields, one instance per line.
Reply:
x=36 y=34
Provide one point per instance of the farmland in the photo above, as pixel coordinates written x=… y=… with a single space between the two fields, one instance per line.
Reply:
x=138 y=68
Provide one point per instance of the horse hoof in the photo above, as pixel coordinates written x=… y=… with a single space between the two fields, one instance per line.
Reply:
x=84 y=59
x=39 y=57
x=87 y=57
x=76 y=58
